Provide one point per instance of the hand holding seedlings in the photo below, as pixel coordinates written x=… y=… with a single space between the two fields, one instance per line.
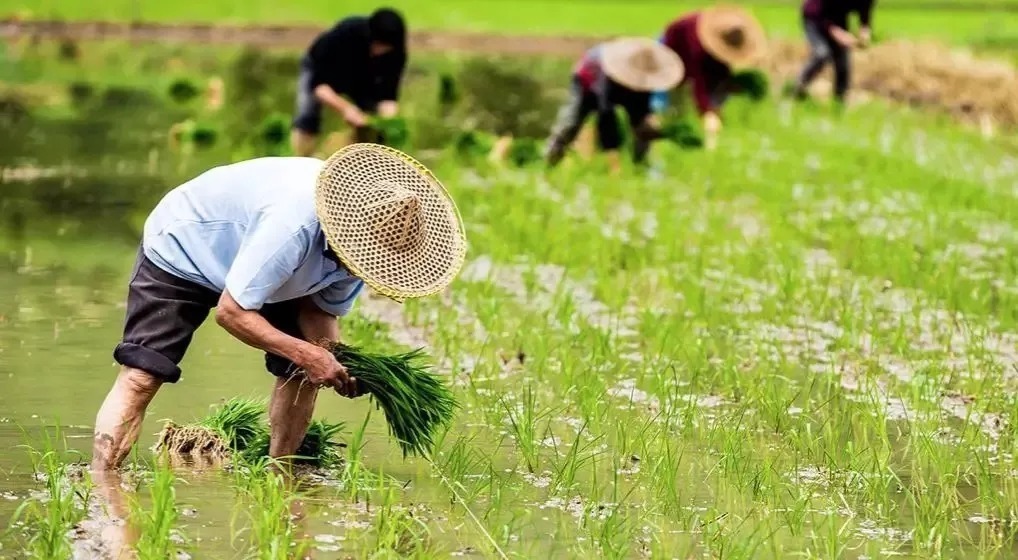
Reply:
x=322 y=369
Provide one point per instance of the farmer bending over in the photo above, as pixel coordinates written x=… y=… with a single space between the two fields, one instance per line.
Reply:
x=355 y=68
x=280 y=247
x=826 y=25
x=712 y=43
x=620 y=73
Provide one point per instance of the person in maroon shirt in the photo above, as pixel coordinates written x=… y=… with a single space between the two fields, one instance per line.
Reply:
x=620 y=73
x=711 y=43
x=826 y=25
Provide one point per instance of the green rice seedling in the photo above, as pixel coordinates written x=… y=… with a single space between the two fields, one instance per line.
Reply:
x=683 y=134
x=183 y=90
x=397 y=532
x=273 y=131
x=270 y=505
x=155 y=524
x=392 y=131
x=230 y=427
x=416 y=402
x=317 y=449
x=471 y=145
x=49 y=519
x=524 y=422
x=524 y=151
x=751 y=83
x=448 y=92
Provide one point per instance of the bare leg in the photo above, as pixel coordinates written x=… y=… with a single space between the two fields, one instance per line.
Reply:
x=303 y=144
x=290 y=410
x=117 y=533
x=119 y=419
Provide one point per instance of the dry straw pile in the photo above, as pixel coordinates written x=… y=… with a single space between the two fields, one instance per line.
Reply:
x=924 y=74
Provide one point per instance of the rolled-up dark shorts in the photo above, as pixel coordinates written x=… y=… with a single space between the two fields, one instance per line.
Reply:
x=308 y=116
x=164 y=311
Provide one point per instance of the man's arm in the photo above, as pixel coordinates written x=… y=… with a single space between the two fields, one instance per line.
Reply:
x=254 y=330
x=351 y=114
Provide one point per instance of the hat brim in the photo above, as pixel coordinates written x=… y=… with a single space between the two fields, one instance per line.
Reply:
x=351 y=180
x=615 y=62
x=711 y=24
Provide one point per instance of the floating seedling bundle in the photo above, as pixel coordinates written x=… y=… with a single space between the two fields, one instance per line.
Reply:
x=238 y=427
x=416 y=403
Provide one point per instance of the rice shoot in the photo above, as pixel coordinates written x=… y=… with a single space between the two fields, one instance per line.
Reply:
x=415 y=400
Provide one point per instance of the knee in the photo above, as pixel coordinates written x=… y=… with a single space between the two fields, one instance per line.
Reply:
x=138 y=381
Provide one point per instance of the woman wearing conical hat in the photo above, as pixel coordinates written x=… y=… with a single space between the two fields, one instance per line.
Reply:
x=619 y=73
x=280 y=247
x=713 y=43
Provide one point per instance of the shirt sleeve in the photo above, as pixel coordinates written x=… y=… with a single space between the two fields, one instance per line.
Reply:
x=392 y=77
x=659 y=98
x=338 y=298
x=267 y=258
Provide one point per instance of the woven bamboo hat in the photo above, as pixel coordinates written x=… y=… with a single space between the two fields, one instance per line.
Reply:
x=641 y=64
x=390 y=221
x=732 y=35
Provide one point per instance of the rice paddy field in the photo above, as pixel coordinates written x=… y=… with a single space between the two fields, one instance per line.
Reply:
x=801 y=345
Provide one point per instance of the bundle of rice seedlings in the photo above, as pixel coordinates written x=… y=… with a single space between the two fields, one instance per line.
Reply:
x=228 y=428
x=682 y=133
x=393 y=131
x=274 y=130
x=524 y=151
x=183 y=90
x=471 y=144
x=751 y=83
x=317 y=449
x=414 y=399
x=448 y=93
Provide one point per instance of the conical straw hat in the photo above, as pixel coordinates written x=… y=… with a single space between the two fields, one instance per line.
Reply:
x=641 y=64
x=731 y=35
x=390 y=221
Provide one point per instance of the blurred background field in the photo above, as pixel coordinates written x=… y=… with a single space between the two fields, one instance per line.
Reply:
x=802 y=344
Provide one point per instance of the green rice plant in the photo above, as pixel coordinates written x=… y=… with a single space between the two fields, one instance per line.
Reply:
x=397 y=532
x=183 y=90
x=524 y=151
x=683 y=134
x=268 y=503
x=392 y=131
x=470 y=145
x=448 y=92
x=156 y=524
x=416 y=402
x=754 y=84
x=317 y=449
x=233 y=426
x=274 y=130
x=48 y=519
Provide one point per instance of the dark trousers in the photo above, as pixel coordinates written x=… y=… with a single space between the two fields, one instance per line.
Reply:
x=824 y=49
x=579 y=106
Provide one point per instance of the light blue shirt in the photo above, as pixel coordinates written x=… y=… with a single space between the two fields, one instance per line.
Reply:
x=250 y=228
x=659 y=98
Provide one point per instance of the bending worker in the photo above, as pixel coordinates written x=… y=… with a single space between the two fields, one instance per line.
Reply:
x=825 y=23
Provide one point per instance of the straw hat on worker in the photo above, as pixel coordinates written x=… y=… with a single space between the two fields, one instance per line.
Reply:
x=641 y=64
x=390 y=221
x=732 y=35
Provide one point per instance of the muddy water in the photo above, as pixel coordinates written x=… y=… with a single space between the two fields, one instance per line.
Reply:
x=63 y=280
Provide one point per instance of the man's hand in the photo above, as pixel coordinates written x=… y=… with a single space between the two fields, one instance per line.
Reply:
x=711 y=127
x=322 y=369
x=865 y=36
x=842 y=37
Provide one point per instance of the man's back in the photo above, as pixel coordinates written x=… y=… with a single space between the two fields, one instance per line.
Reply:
x=198 y=228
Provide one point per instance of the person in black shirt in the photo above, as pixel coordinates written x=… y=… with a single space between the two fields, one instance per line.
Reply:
x=355 y=68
